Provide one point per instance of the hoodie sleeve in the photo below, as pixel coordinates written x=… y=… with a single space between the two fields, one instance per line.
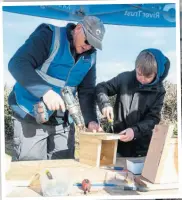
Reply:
x=106 y=89
x=28 y=57
x=151 y=119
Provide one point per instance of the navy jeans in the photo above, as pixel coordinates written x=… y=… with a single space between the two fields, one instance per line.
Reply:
x=33 y=141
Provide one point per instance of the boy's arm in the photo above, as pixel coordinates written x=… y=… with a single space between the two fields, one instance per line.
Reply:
x=152 y=118
x=106 y=89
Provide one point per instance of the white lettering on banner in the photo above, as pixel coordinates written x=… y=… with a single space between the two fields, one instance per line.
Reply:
x=151 y=15
x=66 y=7
x=43 y=7
x=133 y=14
x=142 y=14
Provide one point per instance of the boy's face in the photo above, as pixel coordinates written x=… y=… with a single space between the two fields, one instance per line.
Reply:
x=144 y=79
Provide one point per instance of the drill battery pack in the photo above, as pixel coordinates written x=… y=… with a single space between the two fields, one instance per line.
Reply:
x=40 y=112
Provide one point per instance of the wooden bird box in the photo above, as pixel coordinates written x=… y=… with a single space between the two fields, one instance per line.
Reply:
x=161 y=163
x=98 y=149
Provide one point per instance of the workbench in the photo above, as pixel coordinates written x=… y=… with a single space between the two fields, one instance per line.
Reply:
x=20 y=173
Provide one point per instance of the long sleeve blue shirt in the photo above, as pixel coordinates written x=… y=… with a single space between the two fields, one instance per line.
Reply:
x=31 y=55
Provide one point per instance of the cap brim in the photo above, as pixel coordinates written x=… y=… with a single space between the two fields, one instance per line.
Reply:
x=93 y=41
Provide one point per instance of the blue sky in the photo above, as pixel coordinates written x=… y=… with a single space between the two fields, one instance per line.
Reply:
x=121 y=44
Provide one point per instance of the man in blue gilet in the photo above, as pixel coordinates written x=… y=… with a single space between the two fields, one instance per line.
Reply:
x=50 y=59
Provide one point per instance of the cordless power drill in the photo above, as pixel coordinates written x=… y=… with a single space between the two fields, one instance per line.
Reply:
x=71 y=105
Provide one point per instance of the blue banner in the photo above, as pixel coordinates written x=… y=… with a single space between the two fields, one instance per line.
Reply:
x=146 y=15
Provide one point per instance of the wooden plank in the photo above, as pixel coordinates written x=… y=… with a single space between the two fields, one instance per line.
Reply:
x=154 y=153
x=102 y=136
x=98 y=154
x=80 y=172
x=96 y=191
x=87 y=139
x=99 y=176
x=168 y=168
x=24 y=170
x=115 y=151
x=161 y=157
x=20 y=172
x=107 y=152
x=89 y=153
x=60 y=163
x=97 y=148
x=159 y=186
x=167 y=157
x=108 y=148
x=8 y=160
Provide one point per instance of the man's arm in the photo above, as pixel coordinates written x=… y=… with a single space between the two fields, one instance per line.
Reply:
x=29 y=56
x=152 y=118
x=86 y=96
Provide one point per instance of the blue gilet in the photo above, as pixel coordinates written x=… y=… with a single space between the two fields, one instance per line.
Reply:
x=58 y=70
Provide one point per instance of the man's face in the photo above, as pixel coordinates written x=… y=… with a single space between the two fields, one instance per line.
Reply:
x=80 y=41
x=144 y=79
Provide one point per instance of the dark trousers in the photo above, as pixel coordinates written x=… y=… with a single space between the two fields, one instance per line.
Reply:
x=33 y=141
x=135 y=148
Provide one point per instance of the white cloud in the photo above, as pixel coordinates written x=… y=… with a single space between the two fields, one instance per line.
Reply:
x=108 y=70
x=158 y=33
x=18 y=26
x=159 y=43
x=10 y=25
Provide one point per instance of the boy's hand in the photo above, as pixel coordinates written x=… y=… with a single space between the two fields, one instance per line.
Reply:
x=94 y=127
x=108 y=112
x=127 y=135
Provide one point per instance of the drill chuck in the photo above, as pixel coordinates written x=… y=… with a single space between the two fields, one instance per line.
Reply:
x=72 y=105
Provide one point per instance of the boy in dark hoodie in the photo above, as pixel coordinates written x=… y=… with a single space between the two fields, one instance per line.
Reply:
x=139 y=100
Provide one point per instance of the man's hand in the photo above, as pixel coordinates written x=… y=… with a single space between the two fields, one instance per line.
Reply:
x=108 y=112
x=53 y=101
x=94 y=127
x=127 y=135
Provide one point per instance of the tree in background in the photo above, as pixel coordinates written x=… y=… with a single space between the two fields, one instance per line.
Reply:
x=7 y=115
